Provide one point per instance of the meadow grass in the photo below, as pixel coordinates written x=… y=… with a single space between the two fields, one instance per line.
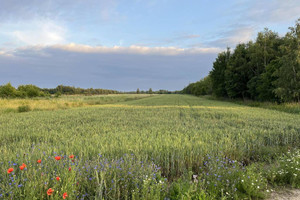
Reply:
x=64 y=102
x=143 y=149
x=288 y=107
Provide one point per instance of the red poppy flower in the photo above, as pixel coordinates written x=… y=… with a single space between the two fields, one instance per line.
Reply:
x=22 y=167
x=58 y=178
x=50 y=191
x=70 y=169
x=10 y=170
x=65 y=195
x=57 y=157
x=71 y=156
x=39 y=161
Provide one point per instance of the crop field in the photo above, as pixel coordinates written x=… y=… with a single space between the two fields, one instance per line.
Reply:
x=144 y=148
x=64 y=102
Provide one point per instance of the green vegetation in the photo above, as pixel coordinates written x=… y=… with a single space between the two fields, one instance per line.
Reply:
x=30 y=91
x=147 y=149
x=63 y=102
x=267 y=69
x=24 y=108
x=292 y=107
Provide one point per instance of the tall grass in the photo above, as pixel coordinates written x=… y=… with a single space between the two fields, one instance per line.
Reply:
x=65 y=102
x=171 y=136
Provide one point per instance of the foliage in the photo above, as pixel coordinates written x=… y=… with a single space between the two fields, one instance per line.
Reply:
x=267 y=69
x=217 y=74
x=25 y=108
x=288 y=82
x=202 y=87
x=30 y=91
x=286 y=171
x=7 y=91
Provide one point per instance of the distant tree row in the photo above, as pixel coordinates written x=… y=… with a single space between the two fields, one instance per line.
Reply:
x=29 y=91
x=267 y=69
x=70 y=90
x=202 y=87
x=150 y=91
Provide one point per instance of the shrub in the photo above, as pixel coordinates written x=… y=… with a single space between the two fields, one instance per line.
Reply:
x=25 y=108
x=286 y=170
x=7 y=91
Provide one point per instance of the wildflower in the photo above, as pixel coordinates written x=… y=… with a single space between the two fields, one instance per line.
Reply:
x=39 y=161
x=22 y=166
x=65 y=195
x=57 y=158
x=58 y=178
x=10 y=170
x=71 y=156
x=70 y=169
x=50 y=191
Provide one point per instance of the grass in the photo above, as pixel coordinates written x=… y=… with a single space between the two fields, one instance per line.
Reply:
x=64 y=102
x=144 y=149
x=290 y=107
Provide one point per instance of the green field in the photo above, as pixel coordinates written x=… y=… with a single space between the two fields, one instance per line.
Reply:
x=143 y=149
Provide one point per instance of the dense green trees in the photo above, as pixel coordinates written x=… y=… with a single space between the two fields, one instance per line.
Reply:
x=7 y=91
x=288 y=81
x=217 y=74
x=202 y=87
x=267 y=69
x=29 y=91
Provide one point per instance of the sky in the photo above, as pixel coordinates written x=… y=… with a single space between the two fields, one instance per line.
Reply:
x=128 y=44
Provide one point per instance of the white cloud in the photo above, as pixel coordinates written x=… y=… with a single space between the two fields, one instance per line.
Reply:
x=241 y=35
x=121 y=68
x=41 y=33
x=274 y=11
x=141 y=50
x=34 y=9
x=235 y=35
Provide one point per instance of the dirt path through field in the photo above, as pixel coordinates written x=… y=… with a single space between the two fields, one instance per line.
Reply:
x=293 y=194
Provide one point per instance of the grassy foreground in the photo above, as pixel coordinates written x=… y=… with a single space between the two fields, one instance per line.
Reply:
x=148 y=149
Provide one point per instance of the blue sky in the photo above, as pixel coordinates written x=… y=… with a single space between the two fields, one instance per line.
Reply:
x=124 y=45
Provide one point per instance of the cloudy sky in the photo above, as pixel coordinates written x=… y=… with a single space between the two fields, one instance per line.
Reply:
x=127 y=44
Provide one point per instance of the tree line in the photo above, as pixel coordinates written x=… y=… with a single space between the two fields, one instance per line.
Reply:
x=267 y=69
x=29 y=91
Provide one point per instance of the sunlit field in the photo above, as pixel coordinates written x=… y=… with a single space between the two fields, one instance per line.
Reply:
x=147 y=148
x=64 y=102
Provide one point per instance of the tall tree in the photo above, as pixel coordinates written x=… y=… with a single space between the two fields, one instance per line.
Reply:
x=217 y=74
x=288 y=82
x=262 y=53
x=237 y=73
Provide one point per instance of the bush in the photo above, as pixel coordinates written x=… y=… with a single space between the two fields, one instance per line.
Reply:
x=25 y=108
x=7 y=91
x=29 y=90
x=286 y=170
